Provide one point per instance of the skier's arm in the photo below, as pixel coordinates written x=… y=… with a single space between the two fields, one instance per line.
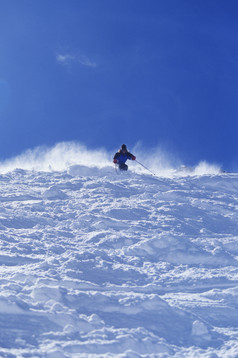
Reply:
x=131 y=156
x=115 y=158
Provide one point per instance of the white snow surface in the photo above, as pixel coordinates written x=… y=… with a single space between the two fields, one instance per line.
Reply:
x=100 y=264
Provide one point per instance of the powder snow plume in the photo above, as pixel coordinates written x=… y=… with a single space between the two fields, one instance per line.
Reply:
x=167 y=164
x=58 y=157
x=67 y=154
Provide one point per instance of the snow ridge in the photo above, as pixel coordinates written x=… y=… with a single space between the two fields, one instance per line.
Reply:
x=100 y=264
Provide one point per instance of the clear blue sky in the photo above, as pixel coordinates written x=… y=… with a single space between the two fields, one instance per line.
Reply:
x=163 y=72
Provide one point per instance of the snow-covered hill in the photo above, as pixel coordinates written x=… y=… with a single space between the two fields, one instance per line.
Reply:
x=96 y=264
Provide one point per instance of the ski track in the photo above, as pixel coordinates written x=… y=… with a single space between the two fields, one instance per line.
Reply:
x=98 y=264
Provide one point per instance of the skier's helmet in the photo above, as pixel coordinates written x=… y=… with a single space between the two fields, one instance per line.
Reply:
x=123 y=147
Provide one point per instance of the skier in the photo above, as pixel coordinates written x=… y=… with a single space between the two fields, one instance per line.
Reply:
x=121 y=157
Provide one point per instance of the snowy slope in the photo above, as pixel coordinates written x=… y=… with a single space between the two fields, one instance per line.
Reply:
x=96 y=264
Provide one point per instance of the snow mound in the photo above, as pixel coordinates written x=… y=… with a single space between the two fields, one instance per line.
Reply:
x=83 y=170
x=54 y=193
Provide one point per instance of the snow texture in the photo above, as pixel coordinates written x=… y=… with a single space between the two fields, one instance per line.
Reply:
x=100 y=264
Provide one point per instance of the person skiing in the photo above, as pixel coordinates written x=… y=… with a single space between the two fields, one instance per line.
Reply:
x=121 y=157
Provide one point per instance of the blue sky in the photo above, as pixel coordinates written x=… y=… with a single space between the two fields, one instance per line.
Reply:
x=159 y=72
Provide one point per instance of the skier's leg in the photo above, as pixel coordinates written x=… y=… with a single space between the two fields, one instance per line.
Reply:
x=123 y=166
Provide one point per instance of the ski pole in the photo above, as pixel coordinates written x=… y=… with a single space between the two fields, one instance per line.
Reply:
x=145 y=167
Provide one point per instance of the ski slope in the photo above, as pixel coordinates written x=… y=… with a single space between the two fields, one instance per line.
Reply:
x=96 y=264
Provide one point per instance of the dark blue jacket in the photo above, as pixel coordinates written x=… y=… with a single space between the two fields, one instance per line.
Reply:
x=122 y=157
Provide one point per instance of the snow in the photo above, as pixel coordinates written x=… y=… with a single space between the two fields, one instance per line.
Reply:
x=99 y=264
